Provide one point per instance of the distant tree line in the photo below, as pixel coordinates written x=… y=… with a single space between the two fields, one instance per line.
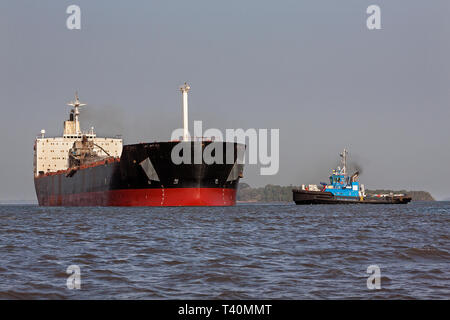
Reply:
x=269 y=193
x=275 y=193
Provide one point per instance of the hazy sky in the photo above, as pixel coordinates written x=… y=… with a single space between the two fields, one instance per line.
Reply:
x=310 y=68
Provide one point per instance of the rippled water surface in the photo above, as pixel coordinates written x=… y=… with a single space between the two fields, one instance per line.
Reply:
x=249 y=251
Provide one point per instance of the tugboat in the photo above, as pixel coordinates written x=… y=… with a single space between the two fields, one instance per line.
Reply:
x=343 y=189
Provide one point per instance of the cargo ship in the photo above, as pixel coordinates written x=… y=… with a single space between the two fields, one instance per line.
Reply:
x=81 y=169
x=343 y=189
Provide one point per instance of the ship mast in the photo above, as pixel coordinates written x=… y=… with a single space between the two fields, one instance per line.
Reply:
x=344 y=161
x=76 y=104
x=185 y=89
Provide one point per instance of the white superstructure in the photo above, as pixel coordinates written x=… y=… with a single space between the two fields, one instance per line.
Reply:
x=51 y=154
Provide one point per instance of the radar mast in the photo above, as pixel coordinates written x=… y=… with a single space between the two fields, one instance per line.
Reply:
x=76 y=111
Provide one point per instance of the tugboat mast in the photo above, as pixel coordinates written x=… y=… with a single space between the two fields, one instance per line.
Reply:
x=344 y=161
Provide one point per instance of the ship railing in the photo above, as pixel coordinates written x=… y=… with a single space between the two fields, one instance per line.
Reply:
x=195 y=139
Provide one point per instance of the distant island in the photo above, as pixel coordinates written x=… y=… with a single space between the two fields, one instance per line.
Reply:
x=275 y=193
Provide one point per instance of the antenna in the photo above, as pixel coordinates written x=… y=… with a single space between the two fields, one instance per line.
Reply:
x=76 y=104
x=185 y=89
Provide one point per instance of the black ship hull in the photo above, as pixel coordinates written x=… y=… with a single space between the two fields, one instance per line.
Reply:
x=145 y=175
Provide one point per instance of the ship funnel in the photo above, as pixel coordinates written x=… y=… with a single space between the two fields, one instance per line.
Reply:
x=184 y=90
x=354 y=176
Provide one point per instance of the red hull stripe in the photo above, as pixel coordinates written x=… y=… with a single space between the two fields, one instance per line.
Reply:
x=147 y=197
